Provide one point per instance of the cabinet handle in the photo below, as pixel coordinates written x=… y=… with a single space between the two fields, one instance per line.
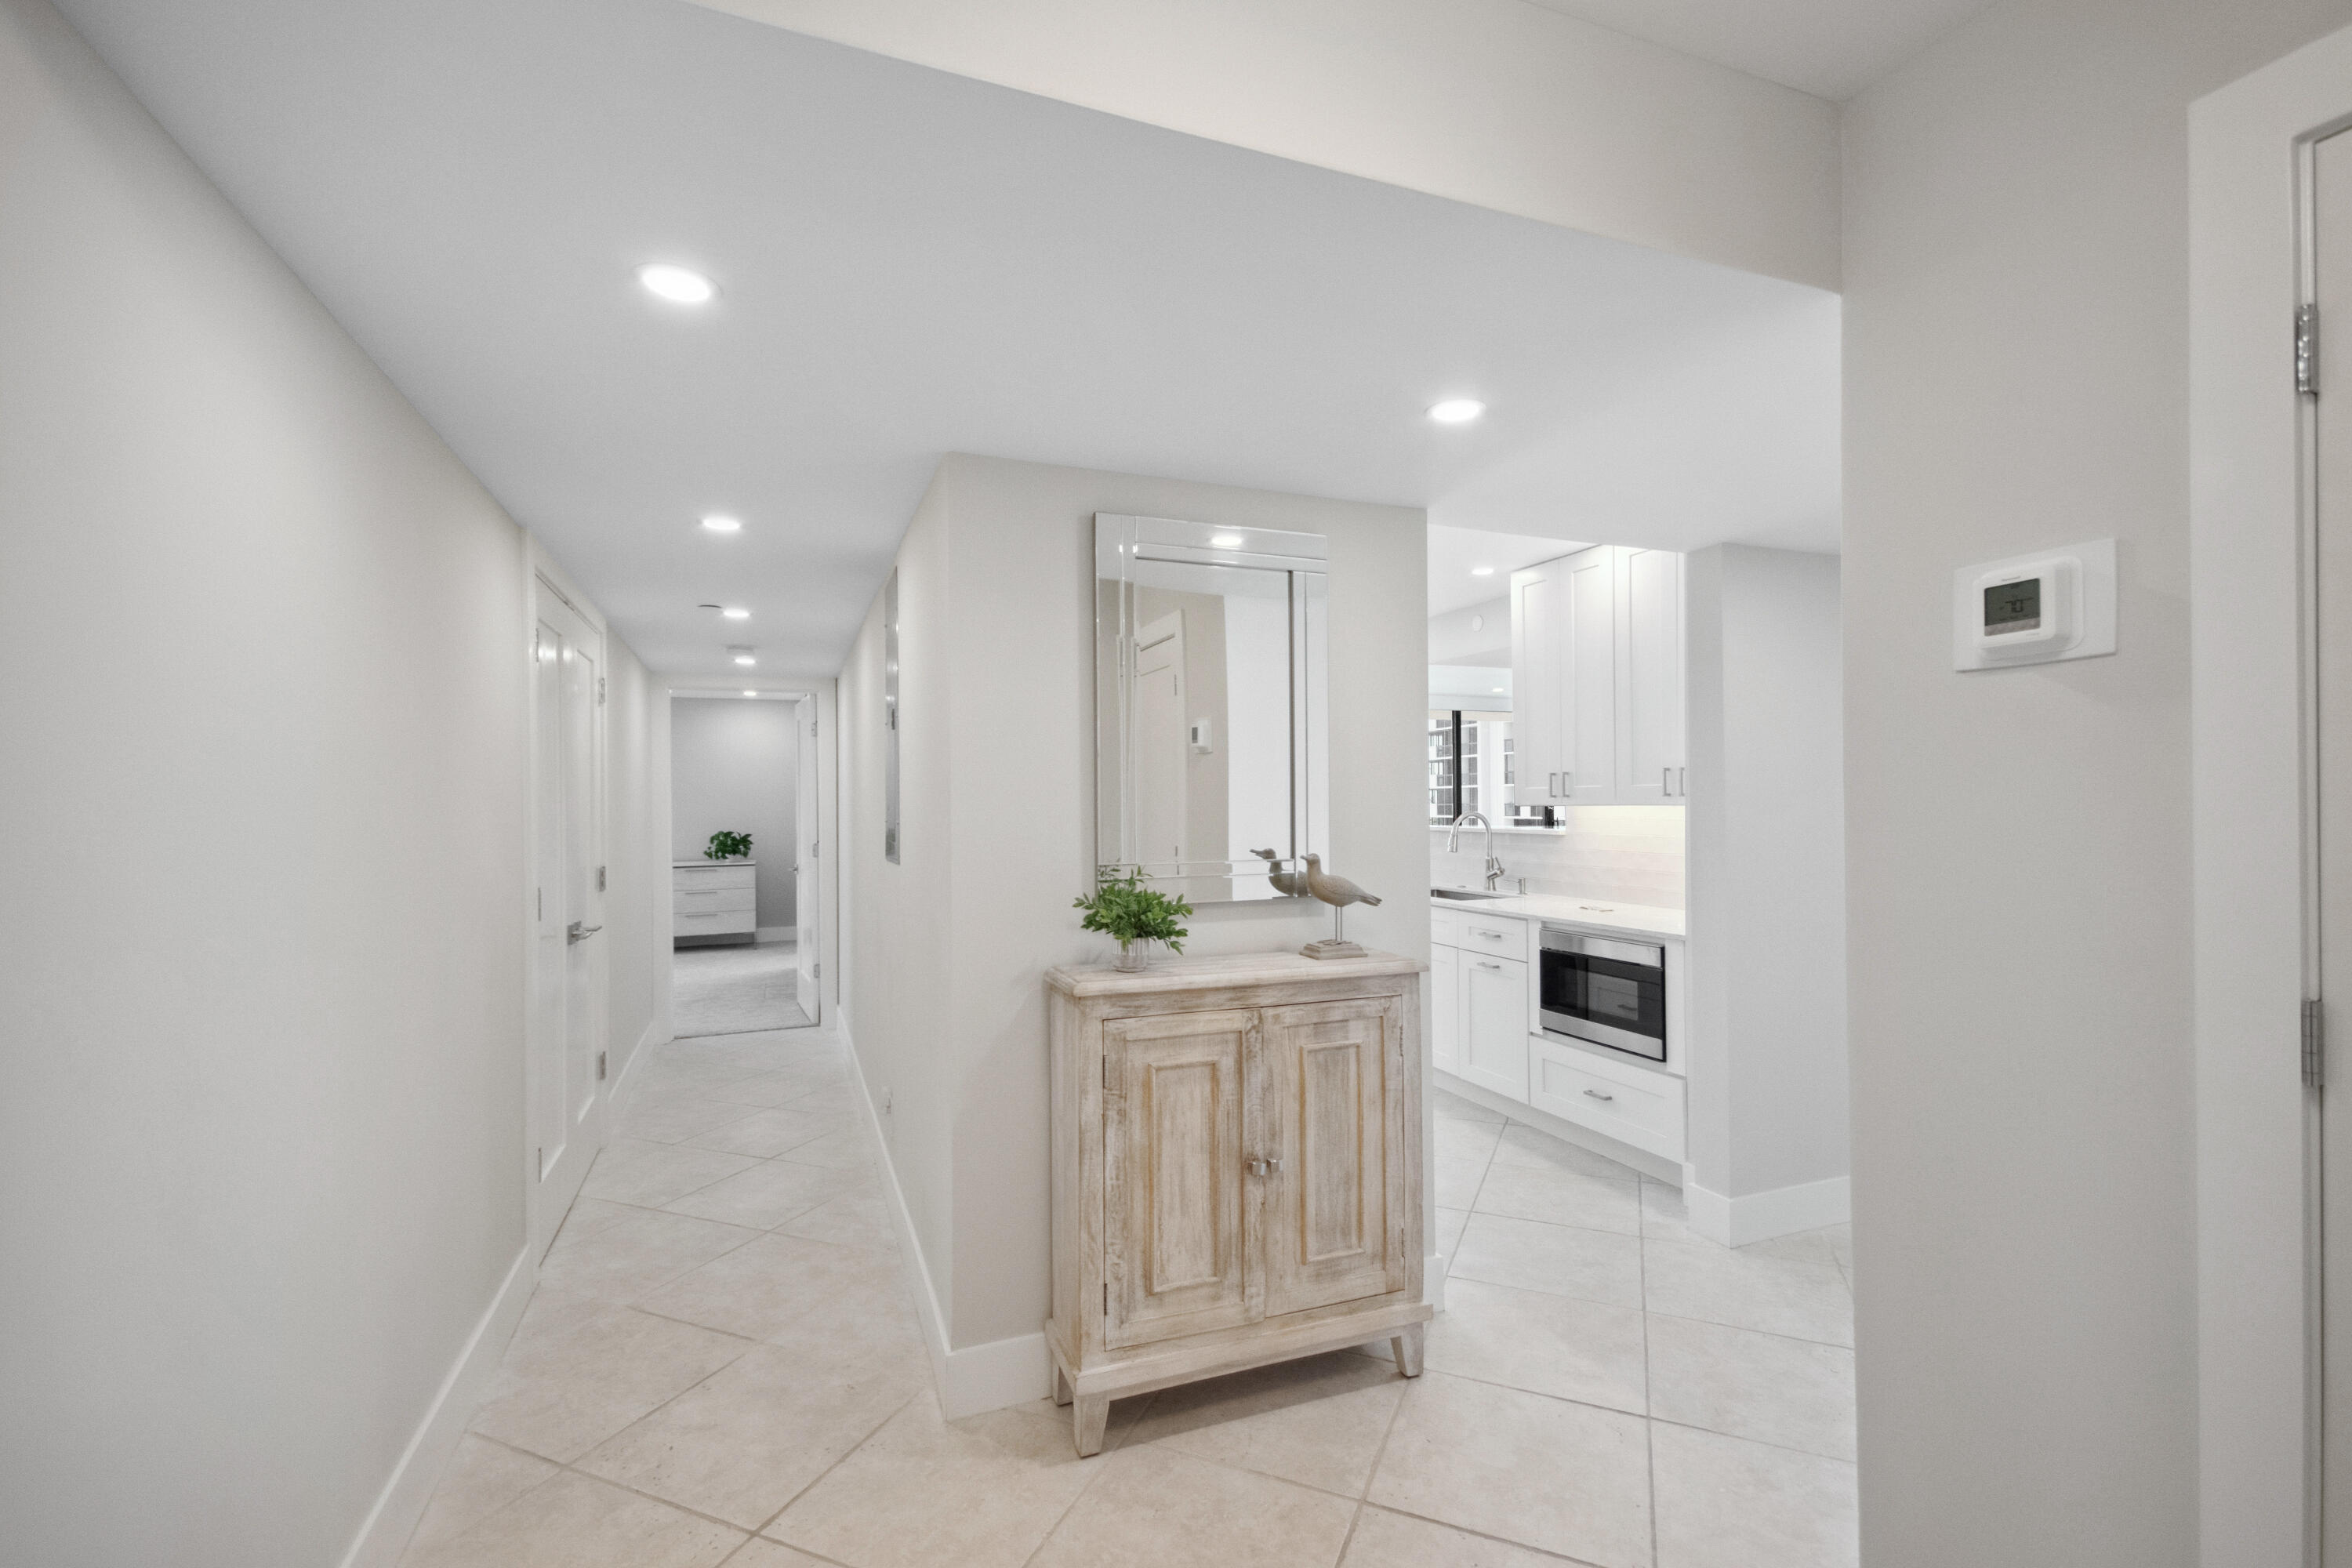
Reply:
x=1264 y=1167
x=1598 y=1095
x=1551 y=786
x=1492 y=935
x=1666 y=781
x=1484 y=964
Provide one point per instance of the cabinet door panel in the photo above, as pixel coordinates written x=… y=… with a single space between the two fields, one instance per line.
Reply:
x=1445 y=1008
x=1181 y=1244
x=1536 y=673
x=1494 y=1040
x=1590 y=748
x=1334 y=1206
x=1649 y=679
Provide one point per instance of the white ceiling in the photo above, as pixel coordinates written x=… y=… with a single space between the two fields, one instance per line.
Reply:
x=1456 y=553
x=1831 y=48
x=913 y=263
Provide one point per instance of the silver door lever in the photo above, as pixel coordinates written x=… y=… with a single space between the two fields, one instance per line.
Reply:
x=578 y=932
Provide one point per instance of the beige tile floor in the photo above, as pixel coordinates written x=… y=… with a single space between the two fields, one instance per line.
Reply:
x=721 y=1365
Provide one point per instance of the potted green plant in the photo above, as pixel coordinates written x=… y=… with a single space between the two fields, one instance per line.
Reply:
x=725 y=846
x=1124 y=908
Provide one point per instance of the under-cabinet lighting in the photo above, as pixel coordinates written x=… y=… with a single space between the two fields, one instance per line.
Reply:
x=736 y=613
x=678 y=285
x=1457 y=410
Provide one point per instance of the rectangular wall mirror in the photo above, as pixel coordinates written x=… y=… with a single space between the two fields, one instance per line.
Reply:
x=1211 y=677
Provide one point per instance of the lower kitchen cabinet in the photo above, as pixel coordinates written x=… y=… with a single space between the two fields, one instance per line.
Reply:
x=1635 y=1105
x=1494 y=1013
x=1445 y=1008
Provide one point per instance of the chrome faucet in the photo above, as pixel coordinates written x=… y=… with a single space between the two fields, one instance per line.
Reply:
x=1453 y=844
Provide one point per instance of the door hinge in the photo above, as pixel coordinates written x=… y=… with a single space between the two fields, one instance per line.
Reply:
x=813 y=844
x=543 y=1164
x=1105 y=1298
x=599 y=1066
x=600 y=692
x=2307 y=351
x=600 y=878
x=539 y=903
x=2314 y=1043
x=816 y=971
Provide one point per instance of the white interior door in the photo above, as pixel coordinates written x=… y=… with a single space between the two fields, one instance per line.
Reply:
x=566 y=1028
x=806 y=848
x=1161 y=761
x=2332 y=244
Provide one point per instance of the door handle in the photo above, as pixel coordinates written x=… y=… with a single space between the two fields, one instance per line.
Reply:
x=575 y=931
x=1598 y=1095
x=1262 y=1166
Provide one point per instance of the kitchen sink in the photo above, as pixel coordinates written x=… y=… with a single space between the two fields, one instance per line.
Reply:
x=1464 y=895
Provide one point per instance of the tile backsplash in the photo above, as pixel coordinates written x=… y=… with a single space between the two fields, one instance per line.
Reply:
x=1631 y=854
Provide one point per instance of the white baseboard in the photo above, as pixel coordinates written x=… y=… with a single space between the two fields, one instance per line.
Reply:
x=1760 y=1217
x=655 y=1034
x=401 y=1504
x=976 y=1378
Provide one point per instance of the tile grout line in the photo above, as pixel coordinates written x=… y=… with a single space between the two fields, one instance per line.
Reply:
x=762 y=1531
x=1649 y=1402
x=1373 y=1472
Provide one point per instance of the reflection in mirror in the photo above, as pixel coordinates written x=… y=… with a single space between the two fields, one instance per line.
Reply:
x=1210 y=676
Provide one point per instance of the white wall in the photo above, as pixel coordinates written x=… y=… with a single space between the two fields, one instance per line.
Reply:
x=637 y=856
x=735 y=764
x=2017 y=363
x=260 y=1139
x=950 y=947
x=1765 y=839
x=1500 y=104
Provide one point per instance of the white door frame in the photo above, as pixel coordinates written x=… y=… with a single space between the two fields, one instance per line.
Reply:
x=819 y=820
x=544 y=580
x=2251 y=777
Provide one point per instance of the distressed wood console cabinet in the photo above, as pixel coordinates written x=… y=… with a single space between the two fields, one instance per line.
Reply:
x=1237 y=1170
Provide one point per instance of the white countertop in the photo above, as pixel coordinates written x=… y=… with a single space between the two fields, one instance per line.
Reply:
x=1591 y=914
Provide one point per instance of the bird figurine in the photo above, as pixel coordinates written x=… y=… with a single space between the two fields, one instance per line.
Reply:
x=1290 y=884
x=1338 y=892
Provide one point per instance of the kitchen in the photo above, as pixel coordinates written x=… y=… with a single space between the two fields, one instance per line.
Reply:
x=1636 y=864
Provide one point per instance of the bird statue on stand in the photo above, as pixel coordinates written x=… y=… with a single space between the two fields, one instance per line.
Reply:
x=1290 y=884
x=1338 y=892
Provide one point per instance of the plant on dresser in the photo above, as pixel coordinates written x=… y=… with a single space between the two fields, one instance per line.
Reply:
x=727 y=846
x=1237 y=1169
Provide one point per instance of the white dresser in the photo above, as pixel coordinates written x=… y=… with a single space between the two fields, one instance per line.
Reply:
x=714 y=898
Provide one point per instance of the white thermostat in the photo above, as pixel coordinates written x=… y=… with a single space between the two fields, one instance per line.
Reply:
x=2035 y=609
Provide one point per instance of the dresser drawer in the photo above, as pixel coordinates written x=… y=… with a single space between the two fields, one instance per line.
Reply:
x=700 y=878
x=1644 y=1109
x=712 y=901
x=713 y=922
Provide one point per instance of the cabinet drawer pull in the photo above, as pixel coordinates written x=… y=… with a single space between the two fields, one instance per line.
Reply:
x=1598 y=1095
x=1482 y=964
x=1492 y=935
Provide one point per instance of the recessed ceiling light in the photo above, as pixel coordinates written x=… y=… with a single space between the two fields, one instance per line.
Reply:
x=736 y=613
x=1224 y=541
x=678 y=285
x=1482 y=570
x=1498 y=691
x=746 y=660
x=717 y=524
x=1457 y=410
x=751 y=694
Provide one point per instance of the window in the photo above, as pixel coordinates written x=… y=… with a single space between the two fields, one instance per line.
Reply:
x=1444 y=781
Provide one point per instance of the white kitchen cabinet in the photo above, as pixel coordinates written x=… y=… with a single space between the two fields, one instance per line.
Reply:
x=1445 y=1007
x=1634 y=1104
x=1597 y=678
x=1494 y=1024
x=1538 y=740
x=1588 y=685
x=1652 y=764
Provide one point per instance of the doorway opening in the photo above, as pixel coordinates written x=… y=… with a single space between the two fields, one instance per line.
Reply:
x=743 y=915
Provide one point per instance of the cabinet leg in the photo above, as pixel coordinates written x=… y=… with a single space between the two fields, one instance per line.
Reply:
x=1062 y=1392
x=1089 y=1414
x=1407 y=1346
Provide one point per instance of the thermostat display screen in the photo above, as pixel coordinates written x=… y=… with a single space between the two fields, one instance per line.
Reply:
x=2014 y=606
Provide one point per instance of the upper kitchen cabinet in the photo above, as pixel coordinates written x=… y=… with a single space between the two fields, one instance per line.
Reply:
x=1597 y=678
x=1650 y=760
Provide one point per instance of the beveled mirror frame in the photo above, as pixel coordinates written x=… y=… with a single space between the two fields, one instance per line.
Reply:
x=1122 y=541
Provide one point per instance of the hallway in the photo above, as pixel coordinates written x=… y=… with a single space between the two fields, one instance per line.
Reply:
x=722 y=1364
x=735 y=988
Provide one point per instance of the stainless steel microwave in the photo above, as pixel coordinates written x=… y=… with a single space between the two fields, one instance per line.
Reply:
x=1604 y=991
